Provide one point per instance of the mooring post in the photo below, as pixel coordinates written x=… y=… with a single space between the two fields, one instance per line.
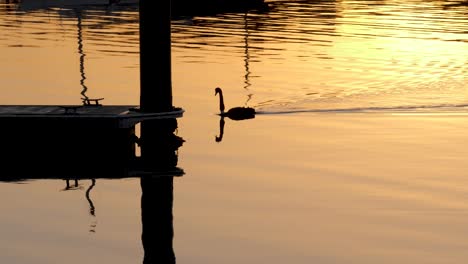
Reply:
x=155 y=56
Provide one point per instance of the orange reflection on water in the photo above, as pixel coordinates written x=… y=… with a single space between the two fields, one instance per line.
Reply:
x=337 y=187
x=371 y=188
x=55 y=58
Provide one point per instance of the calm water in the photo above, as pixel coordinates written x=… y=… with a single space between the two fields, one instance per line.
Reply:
x=367 y=166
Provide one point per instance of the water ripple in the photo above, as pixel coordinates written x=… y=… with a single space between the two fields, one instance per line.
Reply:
x=312 y=54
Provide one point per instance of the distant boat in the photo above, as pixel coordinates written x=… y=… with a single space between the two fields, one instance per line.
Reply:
x=179 y=7
x=44 y=4
x=210 y=7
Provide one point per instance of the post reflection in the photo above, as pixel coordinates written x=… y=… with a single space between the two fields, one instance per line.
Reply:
x=157 y=220
x=159 y=147
x=156 y=167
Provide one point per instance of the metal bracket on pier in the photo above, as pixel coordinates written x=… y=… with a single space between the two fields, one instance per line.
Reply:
x=91 y=102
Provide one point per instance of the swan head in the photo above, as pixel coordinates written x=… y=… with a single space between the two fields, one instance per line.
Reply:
x=218 y=91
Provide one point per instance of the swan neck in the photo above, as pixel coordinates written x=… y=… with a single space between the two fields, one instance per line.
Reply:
x=221 y=102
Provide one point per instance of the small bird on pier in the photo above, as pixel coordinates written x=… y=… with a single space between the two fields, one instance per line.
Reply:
x=235 y=113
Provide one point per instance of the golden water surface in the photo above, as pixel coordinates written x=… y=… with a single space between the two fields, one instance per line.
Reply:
x=357 y=156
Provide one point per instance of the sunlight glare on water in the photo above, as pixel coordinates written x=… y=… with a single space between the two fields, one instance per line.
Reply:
x=338 y=55
x=327 y=182
x=294 y=55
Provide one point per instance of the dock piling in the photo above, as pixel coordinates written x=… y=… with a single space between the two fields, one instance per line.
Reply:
x=155 y=56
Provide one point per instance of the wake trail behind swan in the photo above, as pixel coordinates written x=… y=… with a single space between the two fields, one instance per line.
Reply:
x=446 y=108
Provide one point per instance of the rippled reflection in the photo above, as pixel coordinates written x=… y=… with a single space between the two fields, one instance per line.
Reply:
x=311 y=55
x=334 y=185
x=296 y=55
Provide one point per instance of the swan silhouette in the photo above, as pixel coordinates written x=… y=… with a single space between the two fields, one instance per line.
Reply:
x=235 y=113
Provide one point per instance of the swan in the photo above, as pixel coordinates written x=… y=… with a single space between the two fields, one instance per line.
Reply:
x=235 y=113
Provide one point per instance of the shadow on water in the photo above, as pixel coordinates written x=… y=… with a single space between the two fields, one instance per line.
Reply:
x=75 y=149
x=81 y=150
x=73 y=154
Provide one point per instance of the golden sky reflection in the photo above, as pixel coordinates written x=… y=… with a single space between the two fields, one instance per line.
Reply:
x=46 y=59
x=352 y=57
x=46 y=224
x=333 y=187
x=385 y=187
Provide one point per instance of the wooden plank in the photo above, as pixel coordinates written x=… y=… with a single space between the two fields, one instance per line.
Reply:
x=125 y=115
x=38 y=110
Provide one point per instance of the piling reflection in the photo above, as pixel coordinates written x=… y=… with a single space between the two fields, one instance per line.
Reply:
x=156 y=167
x=159 y=146
x=156 y=217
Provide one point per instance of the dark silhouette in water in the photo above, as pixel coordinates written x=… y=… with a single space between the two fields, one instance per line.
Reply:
x=235 y=113
x=221 y=130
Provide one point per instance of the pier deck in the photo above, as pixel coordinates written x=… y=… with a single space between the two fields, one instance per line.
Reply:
x=122 y=116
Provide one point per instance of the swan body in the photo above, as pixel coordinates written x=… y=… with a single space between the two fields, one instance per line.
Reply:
x=235 y=113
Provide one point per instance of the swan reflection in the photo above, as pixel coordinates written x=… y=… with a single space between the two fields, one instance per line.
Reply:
x=221 y=130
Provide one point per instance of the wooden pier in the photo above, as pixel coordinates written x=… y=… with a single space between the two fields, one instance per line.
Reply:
x=82 y=141
x=117 y=116
x=92 y=140
x=44 y=141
